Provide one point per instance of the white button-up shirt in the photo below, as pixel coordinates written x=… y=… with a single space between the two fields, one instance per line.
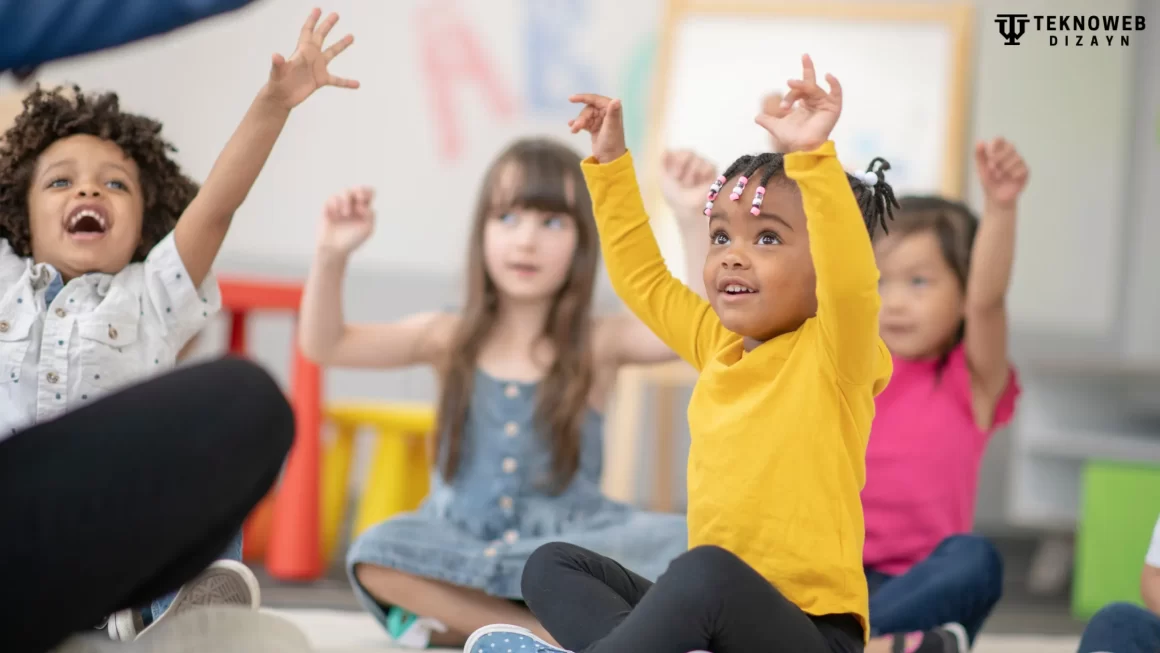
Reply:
x=63 y=346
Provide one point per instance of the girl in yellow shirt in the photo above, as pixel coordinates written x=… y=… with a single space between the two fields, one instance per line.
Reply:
x=790 y=360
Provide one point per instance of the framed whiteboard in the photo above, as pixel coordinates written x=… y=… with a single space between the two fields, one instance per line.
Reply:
x=903 y=69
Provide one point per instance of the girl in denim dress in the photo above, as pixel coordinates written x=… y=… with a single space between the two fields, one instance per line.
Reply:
x=526 y=372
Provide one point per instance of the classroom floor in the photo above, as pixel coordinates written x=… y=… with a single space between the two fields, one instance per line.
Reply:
x=328 y=613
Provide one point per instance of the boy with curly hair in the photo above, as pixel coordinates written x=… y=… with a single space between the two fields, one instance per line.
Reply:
x=105 y=255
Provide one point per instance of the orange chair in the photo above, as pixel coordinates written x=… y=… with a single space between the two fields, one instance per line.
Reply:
x=293 y=545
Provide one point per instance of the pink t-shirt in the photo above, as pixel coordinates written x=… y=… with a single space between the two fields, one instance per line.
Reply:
x=922 y=461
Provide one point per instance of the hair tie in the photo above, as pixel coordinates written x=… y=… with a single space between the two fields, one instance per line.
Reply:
x=736 y=194
x=870 y=179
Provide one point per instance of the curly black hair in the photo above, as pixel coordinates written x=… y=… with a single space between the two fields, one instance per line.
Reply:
x=876 y=200
x=49 y=116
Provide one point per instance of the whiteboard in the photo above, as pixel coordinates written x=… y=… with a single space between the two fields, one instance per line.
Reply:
x=902 y=74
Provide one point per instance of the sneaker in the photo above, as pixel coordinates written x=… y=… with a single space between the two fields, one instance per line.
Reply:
x=225 y=582
x=408 y=630
x=502 y=638
x=949 y=638
x=217 y=629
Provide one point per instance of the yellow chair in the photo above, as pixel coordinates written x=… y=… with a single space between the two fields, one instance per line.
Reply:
x=397 y=480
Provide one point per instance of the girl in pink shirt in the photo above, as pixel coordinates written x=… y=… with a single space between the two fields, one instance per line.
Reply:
x=932 y=583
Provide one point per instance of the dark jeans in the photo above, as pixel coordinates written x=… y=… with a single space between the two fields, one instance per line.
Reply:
x=961 y=581
x=1121 y=628
x=708 y=599
x=126 y=499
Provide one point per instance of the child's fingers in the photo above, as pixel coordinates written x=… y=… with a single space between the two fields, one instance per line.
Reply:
x=835 y=88
x=771 y=102
x=685 y=166
x=342 y=82
x=331 y=208
x=336 y=49
x=790 y=98
x=809 y=76
x=591 y=99
x=706 y=172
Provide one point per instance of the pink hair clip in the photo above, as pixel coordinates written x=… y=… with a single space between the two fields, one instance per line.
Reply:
x=758 y=196
x=736 y=194
x=715 y=188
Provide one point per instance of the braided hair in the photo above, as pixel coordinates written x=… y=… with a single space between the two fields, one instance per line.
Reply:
x=874 y=195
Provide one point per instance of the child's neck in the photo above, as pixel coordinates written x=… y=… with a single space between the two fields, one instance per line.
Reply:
x=520 y=324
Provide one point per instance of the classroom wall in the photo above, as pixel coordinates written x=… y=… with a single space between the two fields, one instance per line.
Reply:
x=1085 y=272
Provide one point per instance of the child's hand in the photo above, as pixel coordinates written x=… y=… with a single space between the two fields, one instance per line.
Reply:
x=685 y=180
x=807 y=114
x=1002 y=171
x=347 y=221
x=603 y=118
x=770 y=105
x=293 y=80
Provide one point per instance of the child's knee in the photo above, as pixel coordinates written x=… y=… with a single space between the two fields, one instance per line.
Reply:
x=385 y=584
x=706 y=572
x=545 y=563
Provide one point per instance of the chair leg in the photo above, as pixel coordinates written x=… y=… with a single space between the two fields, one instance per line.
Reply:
x=418 y=471
x=383 y=494
x=335 y=483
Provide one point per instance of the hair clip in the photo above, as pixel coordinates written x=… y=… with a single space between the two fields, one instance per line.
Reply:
x=736 y=194
x=716 y=188
x=758 y=196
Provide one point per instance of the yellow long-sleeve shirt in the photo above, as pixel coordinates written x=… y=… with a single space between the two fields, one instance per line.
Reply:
x=778 y=433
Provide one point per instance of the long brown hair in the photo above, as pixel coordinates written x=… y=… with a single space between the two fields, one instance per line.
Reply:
x=550 y=180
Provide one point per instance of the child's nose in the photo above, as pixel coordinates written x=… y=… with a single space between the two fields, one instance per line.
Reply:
x=735 y=259
x=88 y=189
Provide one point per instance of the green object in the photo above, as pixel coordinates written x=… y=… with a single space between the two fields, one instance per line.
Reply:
x=1119 y=504
x=398 y=621
x=636 y=93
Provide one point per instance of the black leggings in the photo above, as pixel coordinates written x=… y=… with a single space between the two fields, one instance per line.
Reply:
x=126 y=499
x=708 y=599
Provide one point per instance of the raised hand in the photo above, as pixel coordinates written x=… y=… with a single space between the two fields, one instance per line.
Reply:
x=1002 y=171
x=604 y=119
x=770 y=105
x=685 y=179
x=347 y=220
x=807 y=114
x=293 y=80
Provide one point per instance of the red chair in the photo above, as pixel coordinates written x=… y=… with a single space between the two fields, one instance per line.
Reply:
x=294 y=549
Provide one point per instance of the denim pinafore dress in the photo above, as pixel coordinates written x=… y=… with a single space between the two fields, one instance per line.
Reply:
x=479 y=529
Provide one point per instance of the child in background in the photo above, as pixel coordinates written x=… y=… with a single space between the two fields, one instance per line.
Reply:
x=790 y=360
x=944 y=319
x=1125 y=627
x=105 y=256
x=526 y=371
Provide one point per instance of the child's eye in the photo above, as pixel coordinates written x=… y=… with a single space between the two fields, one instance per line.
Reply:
x=58 y=183
x=554 y=222
x=918 y=281
x=508 y=218
x=769 y=238
x=719 y=238
x=117 y=185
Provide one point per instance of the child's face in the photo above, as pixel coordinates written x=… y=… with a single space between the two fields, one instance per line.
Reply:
x=922 y=299
x=759 y=275
x=527 y=252
x=85 y=206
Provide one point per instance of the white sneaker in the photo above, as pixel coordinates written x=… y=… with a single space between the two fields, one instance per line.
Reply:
x=218 y=629
x=411 y=631
x=225 y=582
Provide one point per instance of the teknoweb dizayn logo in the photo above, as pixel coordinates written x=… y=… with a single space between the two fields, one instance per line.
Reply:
x=1076 y=31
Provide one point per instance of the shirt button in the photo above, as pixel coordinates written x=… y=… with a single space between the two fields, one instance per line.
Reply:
x=505 y=503
x=512 y=391
x=112 y=332
x=509 y=465
x=60 y=312
x=489 y=552
x=511 y=429
x=4 y=326
x=510 y=537
x=52 y=377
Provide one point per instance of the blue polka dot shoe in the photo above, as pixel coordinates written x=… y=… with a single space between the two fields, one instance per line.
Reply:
x=502 y=638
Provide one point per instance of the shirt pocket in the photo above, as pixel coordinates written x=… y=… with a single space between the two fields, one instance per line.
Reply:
x=109 y=355
x=15 y=338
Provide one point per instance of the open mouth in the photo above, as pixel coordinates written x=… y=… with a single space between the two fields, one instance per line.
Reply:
x=738 y=289
x=87 y=222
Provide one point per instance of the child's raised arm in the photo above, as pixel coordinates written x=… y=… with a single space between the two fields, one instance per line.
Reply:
x=1003 y=174
x=684 y=321
x=847 y=275
x=203 y=226
x=325 y=337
